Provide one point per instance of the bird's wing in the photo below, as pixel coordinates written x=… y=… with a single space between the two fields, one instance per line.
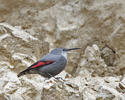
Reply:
x=46 y=60
x=36 y=65
x=41 y=64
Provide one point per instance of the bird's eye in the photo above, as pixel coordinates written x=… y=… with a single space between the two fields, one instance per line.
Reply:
x=64 y=49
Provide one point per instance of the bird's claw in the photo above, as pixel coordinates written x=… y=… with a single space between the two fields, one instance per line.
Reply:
x=59 y=78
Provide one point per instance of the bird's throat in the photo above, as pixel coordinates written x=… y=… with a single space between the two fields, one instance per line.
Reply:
x=64 y=54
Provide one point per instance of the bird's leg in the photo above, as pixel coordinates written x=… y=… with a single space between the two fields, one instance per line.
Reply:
x=50 y=75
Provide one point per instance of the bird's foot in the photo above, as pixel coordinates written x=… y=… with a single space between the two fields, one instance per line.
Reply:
x=46 y=79
x=59 y=78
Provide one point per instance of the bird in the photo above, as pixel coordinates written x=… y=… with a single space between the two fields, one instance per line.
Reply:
x=49 y=65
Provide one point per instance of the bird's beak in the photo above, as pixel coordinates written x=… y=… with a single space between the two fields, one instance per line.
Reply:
x=71 y=49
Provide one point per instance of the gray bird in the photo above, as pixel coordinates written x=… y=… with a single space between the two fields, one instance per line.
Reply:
x=49 y=65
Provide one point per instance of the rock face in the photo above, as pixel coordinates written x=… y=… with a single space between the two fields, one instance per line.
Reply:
x=30 y=29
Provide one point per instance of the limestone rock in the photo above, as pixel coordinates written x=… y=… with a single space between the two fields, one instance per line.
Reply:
x=17 y=49
x=62 y=91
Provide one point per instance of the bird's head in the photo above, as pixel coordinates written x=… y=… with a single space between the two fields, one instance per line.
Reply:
x=62 y=51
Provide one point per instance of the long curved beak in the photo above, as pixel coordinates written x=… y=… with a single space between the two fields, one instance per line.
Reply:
x=71 y=49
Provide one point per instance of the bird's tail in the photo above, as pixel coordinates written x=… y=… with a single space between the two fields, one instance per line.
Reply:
x=23 y=72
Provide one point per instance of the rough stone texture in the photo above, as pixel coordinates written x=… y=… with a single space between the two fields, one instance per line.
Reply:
x=29 y=29
x=62 y=91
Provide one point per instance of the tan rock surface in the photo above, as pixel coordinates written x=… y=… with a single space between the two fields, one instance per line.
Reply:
x=30 y=29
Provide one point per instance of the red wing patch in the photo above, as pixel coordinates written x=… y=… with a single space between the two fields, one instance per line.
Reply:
x=42 y=63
